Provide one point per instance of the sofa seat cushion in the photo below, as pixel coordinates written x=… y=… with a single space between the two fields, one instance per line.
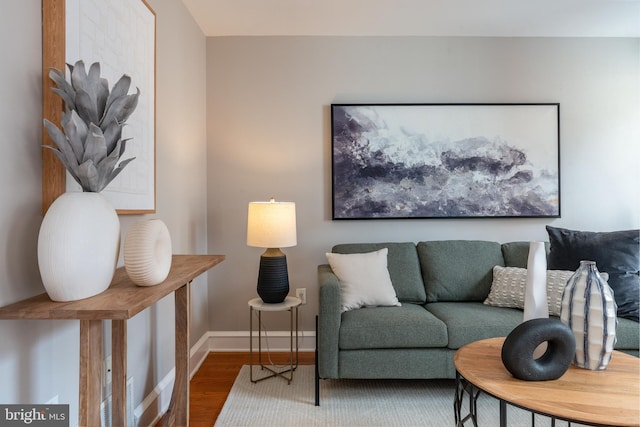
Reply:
x=403 y=265
x=458 y=270
x=472 y=321
x=468 y=322
x=408 y=326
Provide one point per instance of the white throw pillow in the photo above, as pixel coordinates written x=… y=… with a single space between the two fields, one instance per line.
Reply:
x=364 y=279
x=508 y=287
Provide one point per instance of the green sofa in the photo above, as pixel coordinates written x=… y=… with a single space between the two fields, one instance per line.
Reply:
x=442 y=286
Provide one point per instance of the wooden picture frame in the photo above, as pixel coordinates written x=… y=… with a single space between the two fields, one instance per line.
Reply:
x=133 y=191
x=400 y=161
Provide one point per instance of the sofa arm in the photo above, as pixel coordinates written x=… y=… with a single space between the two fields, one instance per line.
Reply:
x=329 y=316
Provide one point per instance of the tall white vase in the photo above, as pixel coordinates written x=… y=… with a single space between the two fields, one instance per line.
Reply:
x=78 y=246
x=535 y=293
x=589 y=309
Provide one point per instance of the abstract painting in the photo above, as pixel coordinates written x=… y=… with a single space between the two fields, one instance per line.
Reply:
x=393 y=161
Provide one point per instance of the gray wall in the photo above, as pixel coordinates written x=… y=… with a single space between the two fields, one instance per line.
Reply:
x=39 y=359
x=32 y=363
x=269 y=135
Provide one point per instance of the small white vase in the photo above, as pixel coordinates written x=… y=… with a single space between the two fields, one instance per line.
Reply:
x=588 y=308
x=535 y=293
x=147 y=252
x=78 y=246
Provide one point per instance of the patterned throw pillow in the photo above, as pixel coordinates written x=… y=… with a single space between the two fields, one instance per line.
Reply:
x=507 y=289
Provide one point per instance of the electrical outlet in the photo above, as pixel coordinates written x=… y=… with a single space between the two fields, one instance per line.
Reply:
x=302 y=294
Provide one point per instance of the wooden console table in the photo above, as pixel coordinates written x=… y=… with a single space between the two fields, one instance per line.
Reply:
x=121 y=301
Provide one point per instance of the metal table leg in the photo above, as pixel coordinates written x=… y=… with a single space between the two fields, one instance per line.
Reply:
x=464 y=387
x=293 y=363
x=503 y=413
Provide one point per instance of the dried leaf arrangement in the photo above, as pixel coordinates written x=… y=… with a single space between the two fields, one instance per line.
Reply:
x=90 y=143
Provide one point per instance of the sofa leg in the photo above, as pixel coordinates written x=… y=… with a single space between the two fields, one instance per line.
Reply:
x=317 y=385
x=317 y=388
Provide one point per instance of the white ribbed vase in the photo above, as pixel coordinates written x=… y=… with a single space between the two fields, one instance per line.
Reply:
x=147 y=252
x=78 y=246
x=589 y=309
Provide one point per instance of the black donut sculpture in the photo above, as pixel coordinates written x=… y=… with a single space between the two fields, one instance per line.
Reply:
x=518 y=348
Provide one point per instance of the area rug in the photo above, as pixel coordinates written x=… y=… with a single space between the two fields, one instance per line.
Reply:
x=350 y=403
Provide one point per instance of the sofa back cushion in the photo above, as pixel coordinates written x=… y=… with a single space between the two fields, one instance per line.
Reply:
x=458 y=270
x=516 y=254
x=403 y=265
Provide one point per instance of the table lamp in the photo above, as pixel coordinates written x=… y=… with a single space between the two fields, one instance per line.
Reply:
x=272 y=225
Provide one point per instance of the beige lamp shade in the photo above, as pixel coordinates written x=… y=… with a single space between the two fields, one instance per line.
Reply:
x=271 y=224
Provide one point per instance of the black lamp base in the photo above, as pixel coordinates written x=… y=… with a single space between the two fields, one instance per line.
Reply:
x=273 y=279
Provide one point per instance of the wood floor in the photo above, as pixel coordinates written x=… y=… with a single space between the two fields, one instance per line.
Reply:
x=210 y=386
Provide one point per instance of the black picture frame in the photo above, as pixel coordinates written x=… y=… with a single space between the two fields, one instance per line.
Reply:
x=410 y=161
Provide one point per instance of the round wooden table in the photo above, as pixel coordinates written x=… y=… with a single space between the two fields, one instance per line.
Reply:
x=610 y=397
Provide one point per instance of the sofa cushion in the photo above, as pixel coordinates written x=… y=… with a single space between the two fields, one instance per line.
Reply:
x=364 y=279
x=627 y=334
x=472 y=321
x=468 y=322
x=616 y=252
x=516 y=254
x=458 y=270
x=408 y=326
x=402 y=263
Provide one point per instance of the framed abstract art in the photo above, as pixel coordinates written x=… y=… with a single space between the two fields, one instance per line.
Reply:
x=395 y=161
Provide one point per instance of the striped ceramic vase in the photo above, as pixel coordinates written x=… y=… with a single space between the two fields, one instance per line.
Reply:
x=588 y=308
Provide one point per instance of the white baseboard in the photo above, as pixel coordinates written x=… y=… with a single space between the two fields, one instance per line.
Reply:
x=155 y=404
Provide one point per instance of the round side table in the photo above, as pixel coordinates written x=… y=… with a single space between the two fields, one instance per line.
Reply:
x=290 y=304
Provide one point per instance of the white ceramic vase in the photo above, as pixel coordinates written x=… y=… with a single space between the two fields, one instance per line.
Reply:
x=78 y=246
x=535 y=293
x=588 y=308
x=147 y=252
